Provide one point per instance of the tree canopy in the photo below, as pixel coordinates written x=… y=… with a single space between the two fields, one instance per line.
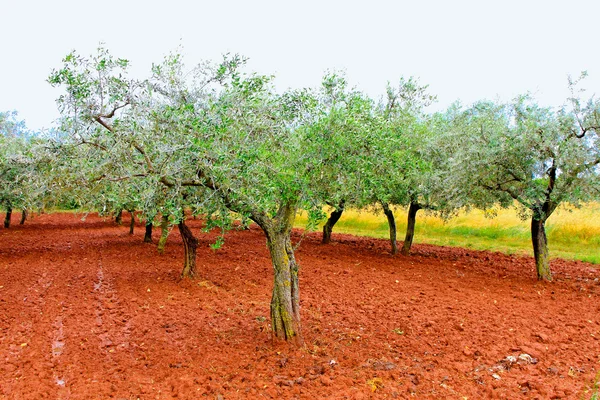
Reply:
x=538 y=157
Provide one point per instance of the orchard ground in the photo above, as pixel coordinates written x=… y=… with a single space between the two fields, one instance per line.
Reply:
x=89 y=311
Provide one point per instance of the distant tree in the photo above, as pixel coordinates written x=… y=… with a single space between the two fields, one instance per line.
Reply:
x=16 y=166
x=344 y=120
x=398 y=160
x=537 y=157
x=405 y=139
x=111 y=147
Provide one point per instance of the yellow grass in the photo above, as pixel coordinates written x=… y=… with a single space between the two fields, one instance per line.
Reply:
x=572 y=233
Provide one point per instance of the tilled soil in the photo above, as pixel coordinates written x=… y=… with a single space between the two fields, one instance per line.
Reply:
x=88 y=311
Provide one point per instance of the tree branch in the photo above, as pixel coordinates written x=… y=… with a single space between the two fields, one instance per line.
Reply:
x=98 y=119
x=143 y=153
x=114 y=110
x=257 y=216
x=584 y=131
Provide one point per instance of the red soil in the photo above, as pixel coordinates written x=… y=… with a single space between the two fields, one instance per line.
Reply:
x=90 y=312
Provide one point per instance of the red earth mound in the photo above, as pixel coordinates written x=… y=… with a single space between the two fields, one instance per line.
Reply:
x=88 y=311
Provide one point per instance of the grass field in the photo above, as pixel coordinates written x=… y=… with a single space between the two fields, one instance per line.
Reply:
x=572 y=234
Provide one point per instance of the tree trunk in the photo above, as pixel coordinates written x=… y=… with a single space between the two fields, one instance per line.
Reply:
x=285 y=300
x=23 y=216
x=119 y=217
x=540 y=249
x=7 y=218
x=164 y=233
x=148 y=235
x=392 y=224
x=190 y=243
x=331 y=221
x=410 y=227
x=132 y=222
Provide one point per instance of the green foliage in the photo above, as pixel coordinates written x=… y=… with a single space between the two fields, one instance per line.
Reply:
x=18 y=161
x=520 y=151
x=214 y=138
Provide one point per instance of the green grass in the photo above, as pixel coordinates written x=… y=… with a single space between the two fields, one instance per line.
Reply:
x=572 y=234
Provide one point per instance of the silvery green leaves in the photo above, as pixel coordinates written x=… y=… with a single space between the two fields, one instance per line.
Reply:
x=519 y=152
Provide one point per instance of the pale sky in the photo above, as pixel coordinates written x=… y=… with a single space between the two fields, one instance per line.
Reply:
x=467 y=50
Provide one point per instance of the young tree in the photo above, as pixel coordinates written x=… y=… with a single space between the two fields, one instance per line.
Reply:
x=537 y=157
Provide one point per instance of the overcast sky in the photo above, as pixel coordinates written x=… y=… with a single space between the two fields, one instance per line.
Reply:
x=465 y=50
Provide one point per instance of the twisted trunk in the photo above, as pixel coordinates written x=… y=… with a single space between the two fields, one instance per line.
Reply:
x=285 y=299
x=148 y=234
x=392 y=224
x=413 y=208
x=7 y=217
x=23 y=216
x=334 y=217
x=119 y=217
x=190 y=243
x=132 y=222
x=164 y=233
x=540 y=249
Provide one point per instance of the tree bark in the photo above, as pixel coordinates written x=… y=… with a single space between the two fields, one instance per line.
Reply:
x=119 y=217
x=190 y=243
x=413 y=208
x=132 y=222
x=285 y=299
x=23 y=216
x=148 y=234
x=334 y=217
x=164 y=233
x=7 y=218
x=540 y=249
x=392 y=224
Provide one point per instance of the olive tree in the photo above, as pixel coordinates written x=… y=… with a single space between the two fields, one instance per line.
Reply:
x=112 y=147
x=342 y=130
x=535 y=157
x=403 y=175
x=17 y=165
x=248 y=146
x=210 y=137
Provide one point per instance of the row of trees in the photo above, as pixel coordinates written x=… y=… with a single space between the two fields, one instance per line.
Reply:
x=223 y=143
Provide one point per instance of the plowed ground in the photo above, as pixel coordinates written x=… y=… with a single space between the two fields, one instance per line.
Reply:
x=88 y=311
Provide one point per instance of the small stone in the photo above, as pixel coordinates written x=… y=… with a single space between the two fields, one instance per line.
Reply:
x=511 y=359
x=527 y=359
x=325 y=380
